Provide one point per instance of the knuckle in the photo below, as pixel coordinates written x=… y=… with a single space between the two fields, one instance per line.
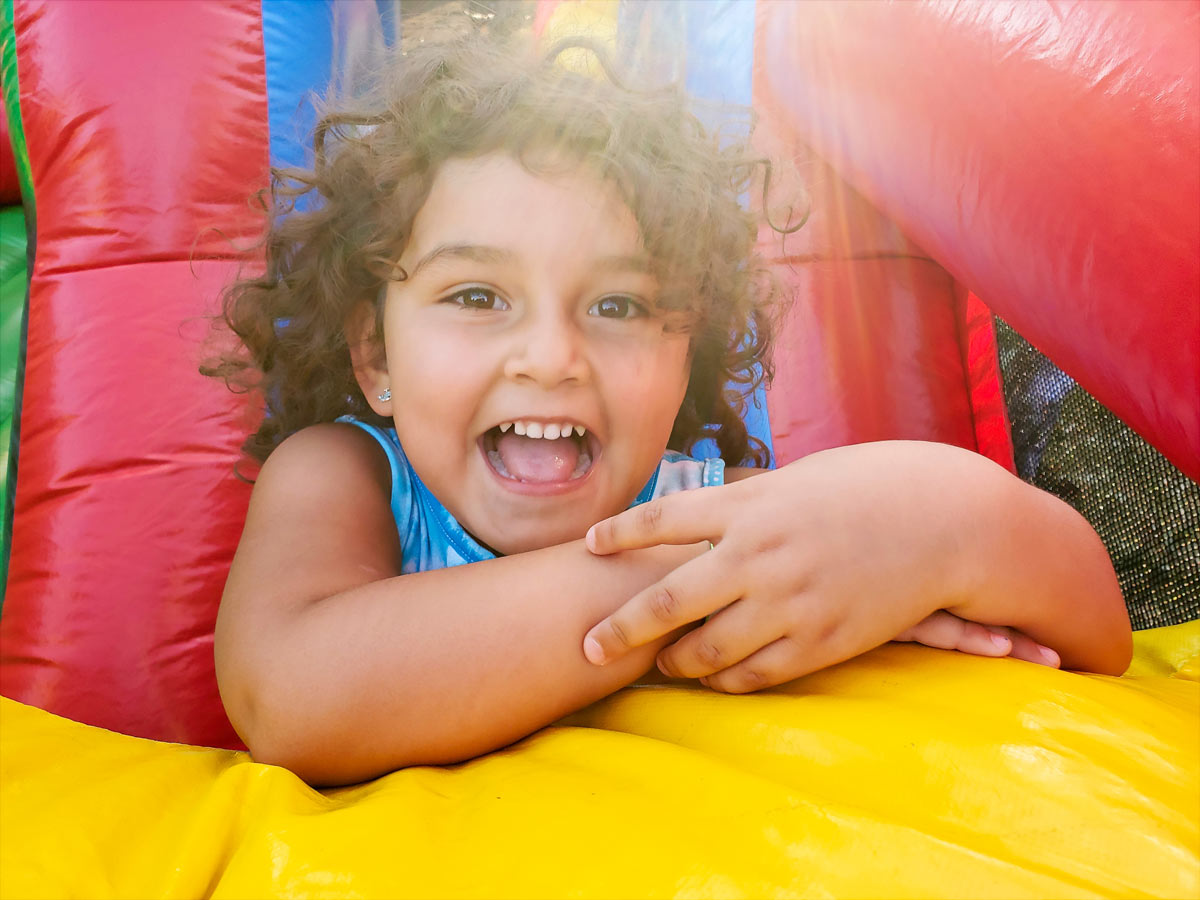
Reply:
x=664 y=604
x=667 y=665
x=740 y=554
x=941 y=632
x=1025 y=646
x=938 y=640
x=756 y=678
x=970 y=634
x=709 y=655
x=827 y=630
x=800 y=618
x=932 y=638
x=751 y=678
x=770 y=542
x=619 y=634
x=650 y=516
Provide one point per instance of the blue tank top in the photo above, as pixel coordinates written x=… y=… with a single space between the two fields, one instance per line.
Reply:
x=431 y=538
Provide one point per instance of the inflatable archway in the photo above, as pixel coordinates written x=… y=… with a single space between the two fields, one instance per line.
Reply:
x=1040 y=158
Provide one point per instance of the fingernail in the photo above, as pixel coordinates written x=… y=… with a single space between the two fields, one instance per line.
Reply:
x=1000 y=640
x=665 y=668
x=1049 y=656
x=593 y=651
x=703 y=681
x=590 y=539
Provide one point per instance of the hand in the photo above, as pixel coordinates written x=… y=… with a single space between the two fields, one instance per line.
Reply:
x=947 y=631
x=812 y=564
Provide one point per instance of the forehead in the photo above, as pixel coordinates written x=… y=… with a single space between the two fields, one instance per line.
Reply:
x=495 y=201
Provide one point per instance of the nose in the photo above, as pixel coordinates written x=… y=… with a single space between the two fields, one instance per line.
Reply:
x=548 y=350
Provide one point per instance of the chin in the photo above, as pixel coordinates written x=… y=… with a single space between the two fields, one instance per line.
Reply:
x=510 y=544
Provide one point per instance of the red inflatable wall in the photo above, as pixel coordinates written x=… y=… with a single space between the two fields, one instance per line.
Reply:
x=1046 y=153
x=879 y=343
x=126 y=508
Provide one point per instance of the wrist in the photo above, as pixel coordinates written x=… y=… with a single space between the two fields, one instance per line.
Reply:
x=997 y=513
x=976 y=502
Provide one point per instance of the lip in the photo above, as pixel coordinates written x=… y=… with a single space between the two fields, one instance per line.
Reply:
x=543 y=489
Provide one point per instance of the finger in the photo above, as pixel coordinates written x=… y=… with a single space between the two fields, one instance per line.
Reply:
x=733 y=634
x=934 y=628
x=685 y=595
x=779 y=661
x=1021 y=646
x=1026 y=648
x=947 y=631
x=980 y=640
x=683 y=518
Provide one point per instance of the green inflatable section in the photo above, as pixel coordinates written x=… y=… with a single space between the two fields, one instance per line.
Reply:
x=13 y=284
x=13 y=287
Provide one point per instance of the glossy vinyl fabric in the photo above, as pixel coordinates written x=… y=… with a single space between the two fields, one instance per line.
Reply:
x=876 y=344
x=871 y=346
x=1046 y=153
x=908 y=772
x=127 y=508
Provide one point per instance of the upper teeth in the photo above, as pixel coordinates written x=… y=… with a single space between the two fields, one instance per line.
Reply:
x=550 y=432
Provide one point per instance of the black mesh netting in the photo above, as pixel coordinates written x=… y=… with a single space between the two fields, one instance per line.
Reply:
x=1146 y=510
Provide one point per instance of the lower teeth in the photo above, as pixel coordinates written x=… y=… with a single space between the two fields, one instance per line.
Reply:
x=498 y=463
x=584 y=463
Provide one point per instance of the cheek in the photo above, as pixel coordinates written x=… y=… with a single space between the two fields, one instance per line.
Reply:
x=432 y=358
x=655 y=383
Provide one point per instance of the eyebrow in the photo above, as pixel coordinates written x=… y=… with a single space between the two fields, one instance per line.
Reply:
x=472 y=252
x=484 y=254
x=629 y=263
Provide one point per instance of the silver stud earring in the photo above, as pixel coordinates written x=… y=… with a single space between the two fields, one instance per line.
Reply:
x=386 y=395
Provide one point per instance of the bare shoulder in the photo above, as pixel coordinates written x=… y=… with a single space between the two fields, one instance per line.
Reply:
x=323 y=456
x=319 y=521
x=740 y=473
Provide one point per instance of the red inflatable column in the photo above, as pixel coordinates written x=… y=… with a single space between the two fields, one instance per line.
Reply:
x=146 y=129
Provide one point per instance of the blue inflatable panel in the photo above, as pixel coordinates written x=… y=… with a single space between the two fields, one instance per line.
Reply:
x=298 y=44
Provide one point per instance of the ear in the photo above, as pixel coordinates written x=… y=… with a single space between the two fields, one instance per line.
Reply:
x=368 y=357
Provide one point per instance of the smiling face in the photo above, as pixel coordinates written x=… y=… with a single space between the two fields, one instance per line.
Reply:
x=528 y=307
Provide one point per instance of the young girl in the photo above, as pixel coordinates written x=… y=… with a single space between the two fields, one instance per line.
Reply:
x=511 y=289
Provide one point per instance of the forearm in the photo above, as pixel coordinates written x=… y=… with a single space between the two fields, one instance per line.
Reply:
x=439 y=666
x=1031 y=562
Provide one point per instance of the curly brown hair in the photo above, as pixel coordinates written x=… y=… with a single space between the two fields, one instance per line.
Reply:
x=335 y=231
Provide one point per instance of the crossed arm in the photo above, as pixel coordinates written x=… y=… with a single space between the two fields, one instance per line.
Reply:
x=847 y=549
x=334 y=665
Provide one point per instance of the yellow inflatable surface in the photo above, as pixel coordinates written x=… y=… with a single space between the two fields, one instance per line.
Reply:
x=908 y=772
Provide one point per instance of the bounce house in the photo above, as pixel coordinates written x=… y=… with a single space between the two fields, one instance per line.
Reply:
x=970 y=173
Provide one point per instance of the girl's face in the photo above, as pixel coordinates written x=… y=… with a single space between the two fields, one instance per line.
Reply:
x=533 y=386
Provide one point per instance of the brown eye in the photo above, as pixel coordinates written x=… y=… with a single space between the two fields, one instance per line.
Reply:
x=477 y=298
x=616 y=306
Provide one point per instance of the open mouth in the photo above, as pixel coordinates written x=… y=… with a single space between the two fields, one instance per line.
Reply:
x=538 y=453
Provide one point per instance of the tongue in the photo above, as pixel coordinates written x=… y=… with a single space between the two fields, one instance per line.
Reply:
x=535 y=459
